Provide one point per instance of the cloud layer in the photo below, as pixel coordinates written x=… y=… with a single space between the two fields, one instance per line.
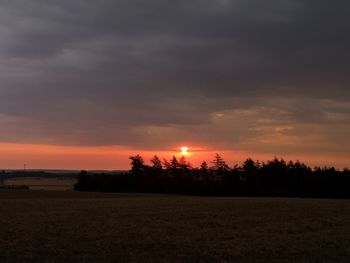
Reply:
x=249 y=75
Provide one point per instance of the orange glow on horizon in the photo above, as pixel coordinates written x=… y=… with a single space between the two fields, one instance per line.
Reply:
x=14 y=156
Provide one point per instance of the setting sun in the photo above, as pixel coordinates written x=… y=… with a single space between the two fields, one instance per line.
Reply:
x=184 y=150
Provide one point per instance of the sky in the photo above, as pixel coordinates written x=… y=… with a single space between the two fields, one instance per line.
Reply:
x=84 y=84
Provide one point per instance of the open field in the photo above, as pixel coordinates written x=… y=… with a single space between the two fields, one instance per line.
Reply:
x=42 y=183
x=50 y=226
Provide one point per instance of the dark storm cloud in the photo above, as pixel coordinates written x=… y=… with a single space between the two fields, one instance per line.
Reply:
x=101 y=69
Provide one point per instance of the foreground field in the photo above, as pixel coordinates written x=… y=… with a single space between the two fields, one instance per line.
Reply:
x=40 y=226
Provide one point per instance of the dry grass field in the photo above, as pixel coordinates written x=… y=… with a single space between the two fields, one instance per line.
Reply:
x=50 y=226
x=42 y=183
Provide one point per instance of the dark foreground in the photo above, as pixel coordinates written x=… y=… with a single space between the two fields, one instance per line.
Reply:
x=39 y=226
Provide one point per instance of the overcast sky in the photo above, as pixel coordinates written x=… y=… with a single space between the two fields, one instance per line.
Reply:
x=242 y=75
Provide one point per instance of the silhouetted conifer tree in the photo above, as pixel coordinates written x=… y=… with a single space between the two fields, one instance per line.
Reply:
x=174 y=163
x=137 y=164
x=219 y=165
x=183 y=164
x=204 y=169
x=249 y=166
x=156 y=163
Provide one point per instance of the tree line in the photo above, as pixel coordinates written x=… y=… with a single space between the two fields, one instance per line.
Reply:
x=252 y=178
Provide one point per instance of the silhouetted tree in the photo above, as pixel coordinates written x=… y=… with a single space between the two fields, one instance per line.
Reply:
x=250 y=166
x=184 y=164
x=204 y=169
x=156 y=163
x=276 y=166
x=219 y=165
x=137 y=164
x=166 y=164
x=174 y=164
x=83 y=181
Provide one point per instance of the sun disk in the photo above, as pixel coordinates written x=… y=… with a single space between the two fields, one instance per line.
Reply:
x=184 y=150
